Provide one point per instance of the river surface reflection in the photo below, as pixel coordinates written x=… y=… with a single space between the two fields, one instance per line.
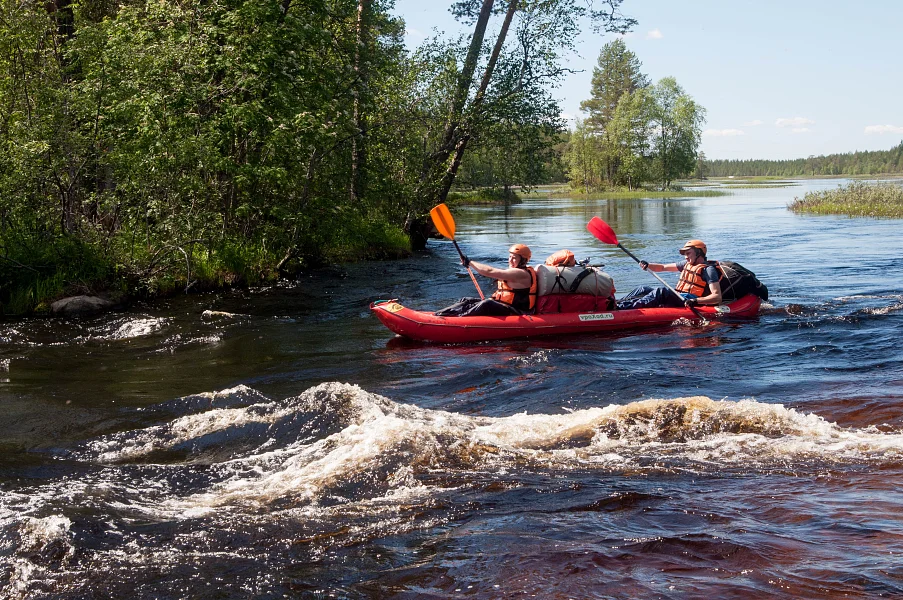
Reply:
x=281 y=442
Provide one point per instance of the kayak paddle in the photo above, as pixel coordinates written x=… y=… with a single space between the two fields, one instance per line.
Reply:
x=445 y=224
x=604 y=233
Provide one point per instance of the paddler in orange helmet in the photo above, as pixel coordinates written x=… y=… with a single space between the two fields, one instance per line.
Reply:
x=516 y=293
x=699 y=282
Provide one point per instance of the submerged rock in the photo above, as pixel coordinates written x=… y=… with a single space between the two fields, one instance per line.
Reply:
x=77 y=306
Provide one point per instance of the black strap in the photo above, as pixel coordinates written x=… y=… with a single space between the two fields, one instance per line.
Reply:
x=576 y=283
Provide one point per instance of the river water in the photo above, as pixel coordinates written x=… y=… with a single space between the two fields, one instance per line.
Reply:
x=280 y=443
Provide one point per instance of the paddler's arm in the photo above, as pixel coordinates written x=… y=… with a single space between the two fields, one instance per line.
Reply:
x=517 y=278
x=714 y=297
x=658 y=267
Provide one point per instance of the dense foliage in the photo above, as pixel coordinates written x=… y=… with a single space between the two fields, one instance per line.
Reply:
x=635 y=132
x=852 y=163
x=150 y=144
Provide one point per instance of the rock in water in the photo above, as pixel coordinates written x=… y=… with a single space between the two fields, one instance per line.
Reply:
x=78 y=306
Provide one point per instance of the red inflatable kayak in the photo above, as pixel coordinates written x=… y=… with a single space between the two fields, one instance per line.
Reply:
x=428 y=327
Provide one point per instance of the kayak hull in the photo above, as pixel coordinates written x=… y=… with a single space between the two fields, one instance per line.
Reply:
x=428 y=327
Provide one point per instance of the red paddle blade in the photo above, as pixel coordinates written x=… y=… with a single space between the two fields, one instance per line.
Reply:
x=601 y=231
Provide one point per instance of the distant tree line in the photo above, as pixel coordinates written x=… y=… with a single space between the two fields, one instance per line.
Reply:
x=157 y=143
x=876 y=162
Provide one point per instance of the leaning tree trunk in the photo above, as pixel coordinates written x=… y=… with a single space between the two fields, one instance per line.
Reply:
x=434 y=162
x=461 y=146
x=358 y=141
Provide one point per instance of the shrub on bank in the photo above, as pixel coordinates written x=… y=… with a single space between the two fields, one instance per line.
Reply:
x=36 y=270
x=856 y=199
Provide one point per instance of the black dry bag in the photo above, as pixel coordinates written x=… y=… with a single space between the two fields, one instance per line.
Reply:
x=738 y=281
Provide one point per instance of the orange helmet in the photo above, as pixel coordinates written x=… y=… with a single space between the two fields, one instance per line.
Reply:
x=520 y=250
x=696 y=245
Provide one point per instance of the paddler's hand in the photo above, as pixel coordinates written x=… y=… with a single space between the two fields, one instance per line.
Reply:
x=644 y=265
x=465 y=261
x=690 y=300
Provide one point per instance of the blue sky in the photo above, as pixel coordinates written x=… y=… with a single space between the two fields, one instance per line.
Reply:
x=778 y=79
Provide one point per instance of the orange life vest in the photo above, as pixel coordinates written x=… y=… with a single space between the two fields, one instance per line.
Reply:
x=691 y=280
x=520 y=298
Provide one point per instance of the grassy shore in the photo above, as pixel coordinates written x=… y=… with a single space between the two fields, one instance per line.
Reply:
x=752 y=182
x=857 y=199
x=564 y=191
x=488 y=196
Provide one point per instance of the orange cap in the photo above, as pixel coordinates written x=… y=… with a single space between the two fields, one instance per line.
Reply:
x=520 y=250
x=695 y=244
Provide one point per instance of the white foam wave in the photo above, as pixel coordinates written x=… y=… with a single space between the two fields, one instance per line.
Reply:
x=221 y=314
x=179 y=341
x=533 y=359
x=125 y=329
x=138 y=327
x=365 y=447
x=137 y=444
x=884 y=310
x=35 y=534
x=387 y=444
x=41 y=541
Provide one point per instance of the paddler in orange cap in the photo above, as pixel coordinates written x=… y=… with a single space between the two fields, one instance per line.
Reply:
x=516 y=293
x=699 y=282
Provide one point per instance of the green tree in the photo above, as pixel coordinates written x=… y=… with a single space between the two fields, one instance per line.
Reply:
x=583 y=158
x=617 y=72
x=677 y=123
x=628 y=137
x=702 y=167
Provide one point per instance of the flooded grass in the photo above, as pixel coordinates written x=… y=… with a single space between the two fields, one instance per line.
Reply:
x=758 y=186
x=755 y=182
x=624 y=194
x=485 y=197
x=857 y=199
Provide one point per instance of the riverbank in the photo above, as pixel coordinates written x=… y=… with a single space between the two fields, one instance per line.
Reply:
x=483 y=197
x=36 y=273
x=857 y=199
x=565 y=191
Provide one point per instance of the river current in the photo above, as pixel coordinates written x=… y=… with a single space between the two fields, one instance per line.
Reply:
x=280 y=442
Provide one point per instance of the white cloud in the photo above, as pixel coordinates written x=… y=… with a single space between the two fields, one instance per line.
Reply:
x=568 y=116
x=723 y=132
x=800 y=130
x=794 y=122
x=754 y=123
x=879 y=129
x=414 y=33
x=655 y=34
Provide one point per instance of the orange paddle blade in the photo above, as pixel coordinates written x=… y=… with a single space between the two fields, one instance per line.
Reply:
x=602 y=231
x=443 y=221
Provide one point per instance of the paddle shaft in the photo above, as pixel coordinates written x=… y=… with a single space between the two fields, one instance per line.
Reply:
x=474 y=279
x=665 y=283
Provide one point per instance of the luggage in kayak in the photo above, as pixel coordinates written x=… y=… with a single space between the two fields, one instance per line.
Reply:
x=573 y=280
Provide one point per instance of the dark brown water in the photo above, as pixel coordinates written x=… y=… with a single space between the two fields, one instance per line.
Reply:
x=280 y=442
